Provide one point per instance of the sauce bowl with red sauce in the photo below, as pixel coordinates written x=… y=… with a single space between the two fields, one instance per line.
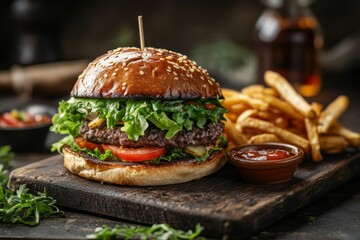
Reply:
x=266 y=163
x=25 y=127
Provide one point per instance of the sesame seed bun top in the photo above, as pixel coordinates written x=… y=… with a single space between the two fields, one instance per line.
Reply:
x=149 y=73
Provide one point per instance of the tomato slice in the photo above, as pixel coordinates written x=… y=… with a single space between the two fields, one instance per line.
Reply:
x=89 y=145
x=136 y=154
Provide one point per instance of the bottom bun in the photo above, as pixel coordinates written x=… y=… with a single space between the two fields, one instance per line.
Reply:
x=141 y=174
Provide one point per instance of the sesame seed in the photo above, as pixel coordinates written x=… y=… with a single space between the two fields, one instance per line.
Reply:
x=169 y=57
x=114 y=73
x=141 y=72
x=124 y=83
x=175 y=73
x=168 y=70
x=162 y=59
x=202 y=78
x=192 y=70
x=105 y=75
x=126 y=69
x=160 y=54
x=176 y=78
x=153 y=72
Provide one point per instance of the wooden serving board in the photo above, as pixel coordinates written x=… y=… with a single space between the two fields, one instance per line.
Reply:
x=225 y=206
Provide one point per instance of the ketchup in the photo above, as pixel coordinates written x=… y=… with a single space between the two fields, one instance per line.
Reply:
x=262 y=154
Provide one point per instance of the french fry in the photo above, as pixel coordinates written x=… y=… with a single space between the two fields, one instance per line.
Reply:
x=352 y=137
x=287 y=92
x=262 y=138
x=318 y=107
x=281 y=133
x=243 y=116
x=238 y=108
x=332 y=112
x=229 y=92
x=242 y=98
x=333 y=143
x=270 y=116
x=255 y=89
x=231 y=116
x=281 y=122
x=232 y=133
x=281 y=105
x=313 y=138
x=246 y=114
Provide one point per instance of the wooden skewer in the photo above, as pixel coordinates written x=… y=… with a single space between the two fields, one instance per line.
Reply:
x=141 y=31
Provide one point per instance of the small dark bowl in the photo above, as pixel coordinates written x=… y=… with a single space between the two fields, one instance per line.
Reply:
x=31 y=138
x=267 y=171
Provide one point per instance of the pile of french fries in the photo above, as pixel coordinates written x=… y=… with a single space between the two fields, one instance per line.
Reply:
x=277 y=113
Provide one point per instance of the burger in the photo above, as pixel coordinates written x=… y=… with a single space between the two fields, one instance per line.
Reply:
x=142 y=117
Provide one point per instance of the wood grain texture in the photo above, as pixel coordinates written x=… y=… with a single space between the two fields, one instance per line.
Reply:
x=225 y=206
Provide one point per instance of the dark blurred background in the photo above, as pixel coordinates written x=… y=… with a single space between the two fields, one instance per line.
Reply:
x=38 y=31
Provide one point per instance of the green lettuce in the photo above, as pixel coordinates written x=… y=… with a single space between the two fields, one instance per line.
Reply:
x=135 y=115
x=171 y=116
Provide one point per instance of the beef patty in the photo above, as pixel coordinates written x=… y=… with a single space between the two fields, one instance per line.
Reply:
x=153 y=136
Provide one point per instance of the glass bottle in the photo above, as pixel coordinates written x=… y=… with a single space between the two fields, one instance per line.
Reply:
x=288 y=40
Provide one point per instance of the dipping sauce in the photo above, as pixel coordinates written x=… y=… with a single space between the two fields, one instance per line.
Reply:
x=262 y=154
x=265 y=163
x=19 y=119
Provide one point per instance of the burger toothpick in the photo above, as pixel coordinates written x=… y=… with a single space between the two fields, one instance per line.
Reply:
x=141 y=31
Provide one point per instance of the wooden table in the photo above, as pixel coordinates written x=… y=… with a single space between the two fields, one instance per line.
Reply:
x=334 y=216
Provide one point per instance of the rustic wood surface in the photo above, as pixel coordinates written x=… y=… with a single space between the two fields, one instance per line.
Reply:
x=225 y=206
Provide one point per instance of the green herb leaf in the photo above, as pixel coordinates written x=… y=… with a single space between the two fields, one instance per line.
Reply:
x=6 y=155
x=24 y=207
x=3 y=175
x=135 y=117
x=156 y=232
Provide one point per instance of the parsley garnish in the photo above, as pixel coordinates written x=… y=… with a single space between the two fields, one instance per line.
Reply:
x=5 y=155
x=155 y=232
x=22 y=206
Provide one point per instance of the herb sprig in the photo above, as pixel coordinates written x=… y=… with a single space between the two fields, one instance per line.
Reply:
x=155 y=232
x=22 y=206
x=6 y=155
